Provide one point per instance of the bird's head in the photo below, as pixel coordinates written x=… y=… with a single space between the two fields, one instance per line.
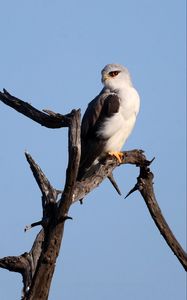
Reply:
x=115 y=76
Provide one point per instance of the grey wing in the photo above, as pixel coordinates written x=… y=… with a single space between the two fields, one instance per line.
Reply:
x=103 y=106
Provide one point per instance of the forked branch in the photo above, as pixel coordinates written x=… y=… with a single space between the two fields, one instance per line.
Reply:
x=37 y=266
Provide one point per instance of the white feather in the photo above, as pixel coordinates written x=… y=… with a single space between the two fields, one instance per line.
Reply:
x=117 y=128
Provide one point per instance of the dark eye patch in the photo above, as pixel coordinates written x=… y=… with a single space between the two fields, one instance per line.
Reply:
x=114 y=73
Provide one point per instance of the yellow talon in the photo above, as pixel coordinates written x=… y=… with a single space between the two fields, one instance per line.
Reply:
x=118 y=155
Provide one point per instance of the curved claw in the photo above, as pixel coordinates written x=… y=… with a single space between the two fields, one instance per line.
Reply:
x=117 y=154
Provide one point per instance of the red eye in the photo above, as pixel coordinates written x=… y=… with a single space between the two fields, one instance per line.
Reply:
x=114 y=73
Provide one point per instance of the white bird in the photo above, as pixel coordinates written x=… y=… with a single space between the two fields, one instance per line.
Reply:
x=109 y=118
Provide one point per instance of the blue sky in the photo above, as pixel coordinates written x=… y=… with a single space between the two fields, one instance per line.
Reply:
x=52 y=53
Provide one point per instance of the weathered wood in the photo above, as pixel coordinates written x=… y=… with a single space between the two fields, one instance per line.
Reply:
x=55 y=228
x=49 y=120
x=38 y=265
x=145 y=186
x=102 y=170
x=25 y=264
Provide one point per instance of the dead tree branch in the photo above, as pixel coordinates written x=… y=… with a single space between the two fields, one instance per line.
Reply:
x=37 y=266
x=54 y=227
x=45 y=118
x=145 y=187
x=26 y=263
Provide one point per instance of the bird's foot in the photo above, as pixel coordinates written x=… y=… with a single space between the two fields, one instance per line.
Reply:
x=117 y=154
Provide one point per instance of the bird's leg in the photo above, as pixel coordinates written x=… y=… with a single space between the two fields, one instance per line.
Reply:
x=119 y=155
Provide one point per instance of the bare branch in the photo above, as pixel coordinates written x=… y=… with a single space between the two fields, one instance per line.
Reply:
x=48 y=119
x=99 y=172
x=73 y=165
x=25 y=264
x=37 y=266
x=20 y=264
x=112 y=180
x=145 y=184
x=54 y=231
x=49 y=194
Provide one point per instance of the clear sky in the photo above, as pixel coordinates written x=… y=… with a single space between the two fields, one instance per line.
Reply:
x=52 y=53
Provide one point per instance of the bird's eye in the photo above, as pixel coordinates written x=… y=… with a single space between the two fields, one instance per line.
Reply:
x=114 y=73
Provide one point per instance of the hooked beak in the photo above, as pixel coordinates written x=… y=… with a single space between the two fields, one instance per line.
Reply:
x=105 y=77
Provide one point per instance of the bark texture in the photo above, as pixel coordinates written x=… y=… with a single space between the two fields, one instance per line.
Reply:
x=37 y=266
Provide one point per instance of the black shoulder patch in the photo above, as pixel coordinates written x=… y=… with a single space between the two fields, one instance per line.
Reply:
x=111 y=105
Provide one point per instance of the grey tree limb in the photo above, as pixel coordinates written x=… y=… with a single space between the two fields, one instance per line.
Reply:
x=37 y=266
x=45 y=118
x=54 y=228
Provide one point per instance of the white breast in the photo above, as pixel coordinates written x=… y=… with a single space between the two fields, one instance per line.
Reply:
x=117 y=128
